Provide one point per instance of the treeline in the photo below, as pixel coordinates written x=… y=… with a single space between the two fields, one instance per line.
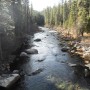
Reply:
x=15 y=24
x=70 y=14
x=37 y=17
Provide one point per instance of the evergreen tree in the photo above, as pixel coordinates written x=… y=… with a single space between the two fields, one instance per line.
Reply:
x=52 y=22
x=83 y=14
x=73 y=14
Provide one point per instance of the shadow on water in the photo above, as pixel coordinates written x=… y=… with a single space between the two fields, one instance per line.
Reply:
x=39 y=84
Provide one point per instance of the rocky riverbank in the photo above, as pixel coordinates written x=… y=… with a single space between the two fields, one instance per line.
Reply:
x=77 y=46
x=7 y=74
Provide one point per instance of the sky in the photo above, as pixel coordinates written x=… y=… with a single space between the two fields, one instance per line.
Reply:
x=39 y=5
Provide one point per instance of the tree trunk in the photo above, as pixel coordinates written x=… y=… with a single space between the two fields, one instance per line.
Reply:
x=1 y=56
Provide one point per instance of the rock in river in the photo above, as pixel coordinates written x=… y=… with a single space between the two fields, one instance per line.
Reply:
x=16 y=72
x=31 y=51
x=23 y=54
x=40 y=60
x=37 y=40
x=7 y=80
x=65 y=49
x=36 y=72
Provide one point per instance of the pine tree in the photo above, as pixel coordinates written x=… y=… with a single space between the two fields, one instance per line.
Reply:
x=58 y=15
x=73 y=14
x=83 y=14
x=52 y=18
x=65 y=13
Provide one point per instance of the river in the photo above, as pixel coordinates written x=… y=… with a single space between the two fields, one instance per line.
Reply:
x=55 y=73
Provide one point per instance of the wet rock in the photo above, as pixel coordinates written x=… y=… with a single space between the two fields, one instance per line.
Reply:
x=87 y=73
x=31 y=51
x=62 y=44
x=63 y=62
x=4 y=68
x=79 y=53
x=86 y=62
x=80 y=70
x=37 y=40
x=32 y=45
x=86 y=56
x=63 y=54
x=23 y=54
x=36 y=72
x=22 y=73
x=16 y=72
x=88 y=65
x=65 y=49
x=8 y=80
x=68 y=39
x=72 y=51
x=53 y=31
x=78 y=66
x=72 y=65
x=41 y=60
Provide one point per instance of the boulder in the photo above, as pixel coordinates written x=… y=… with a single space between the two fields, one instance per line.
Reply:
x=88 y=65
x=41 y=60
x=53 y=31
x=87 y=73
x=8 y=80
x=72 y=65
x=86 y=61
x=37 y=40
x=31 y=51
x=65 y=49
x=23 y=54
x=36 y=72
x=83 y=69
x=86 y=56
x=16 y=72
x=62 y=44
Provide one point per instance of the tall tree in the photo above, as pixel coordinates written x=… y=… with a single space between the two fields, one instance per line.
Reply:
x=73 y=14
x=83 y=14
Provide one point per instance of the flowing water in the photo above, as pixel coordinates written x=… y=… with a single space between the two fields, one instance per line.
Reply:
x=54 y=71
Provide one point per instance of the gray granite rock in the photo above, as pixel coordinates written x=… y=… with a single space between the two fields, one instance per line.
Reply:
x=31 y=51
x=7 y=80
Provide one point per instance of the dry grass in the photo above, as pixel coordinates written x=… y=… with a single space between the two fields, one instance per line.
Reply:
x=72 y=33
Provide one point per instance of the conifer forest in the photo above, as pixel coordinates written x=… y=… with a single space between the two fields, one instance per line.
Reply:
x=47 y=48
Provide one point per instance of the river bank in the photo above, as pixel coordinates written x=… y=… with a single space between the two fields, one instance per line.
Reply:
x=78 y=45
x=8 y=76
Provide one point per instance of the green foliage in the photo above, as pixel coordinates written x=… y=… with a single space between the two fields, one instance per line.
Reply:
x=73 y=14
x=15 y=21
x=38 y=18
x=83 y=16
x=88 y=25
x=70 y=14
